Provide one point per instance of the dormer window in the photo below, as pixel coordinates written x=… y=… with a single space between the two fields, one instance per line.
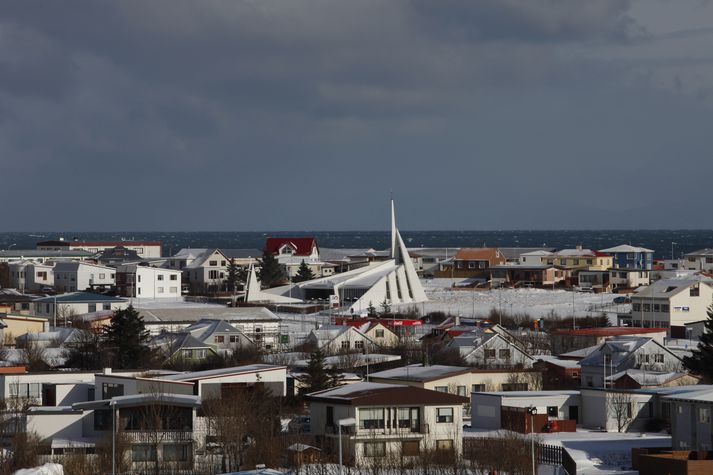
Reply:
x=287 y=250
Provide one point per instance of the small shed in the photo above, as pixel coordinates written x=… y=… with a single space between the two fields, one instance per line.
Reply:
x=302 y=454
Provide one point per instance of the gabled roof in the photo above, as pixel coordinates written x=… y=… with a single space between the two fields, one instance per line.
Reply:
x=302 y=245
x=621 y=349
x=241 y=253
x=668 y=287
x=701 y=252
x=178 y=340
x=626 y=248
x=375 y=394
x=478 y=254
x=608 y=331
x=647 y=378
x=419 y=372
x=204 y=328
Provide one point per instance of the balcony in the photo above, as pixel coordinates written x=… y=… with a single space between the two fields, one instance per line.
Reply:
x=395 y=432
x=148 y=436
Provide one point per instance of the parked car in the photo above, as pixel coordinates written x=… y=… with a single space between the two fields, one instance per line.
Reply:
x=621 y=300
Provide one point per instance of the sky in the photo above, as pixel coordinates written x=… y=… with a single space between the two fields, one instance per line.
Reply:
x=306 y=114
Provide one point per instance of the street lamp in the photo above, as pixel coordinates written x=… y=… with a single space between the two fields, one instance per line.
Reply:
x=349 y=421
x=532 y=410
x=113 y=437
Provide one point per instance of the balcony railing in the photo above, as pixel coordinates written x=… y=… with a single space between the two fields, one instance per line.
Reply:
x=148 y=436
x=392 y=431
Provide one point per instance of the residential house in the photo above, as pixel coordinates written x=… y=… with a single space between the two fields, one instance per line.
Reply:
x=12 y=301
x=700 y=260
x=490 y=350
x=61 y=307
x=301 y=247
x=219 y=334
x=55 y=338
x=146 y=282
x=625 y=279
x=670 y=304
x=580 y=258
x=378 y=330
x=622 y=353
x=43 y=256
x=535 y=258
x=558 y=373
x=81 y=276
x=338 y=338
x=566 y=340
x=488 y=408
x=458 y=379
x=145 y=249
x=182 y=346
x=619 y=410
x=472 y=262
x=17 y=325
x=30 y=276
x=259 y=324
x=380 y=420
x=528 y=275
x=690 y=416
x=203 y=269
x=643 y=379
x=630 y=257
x=117 y=256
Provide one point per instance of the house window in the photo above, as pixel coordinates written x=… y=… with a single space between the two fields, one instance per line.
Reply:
x=477 y=388
x=222 y=263
x=504 y=354
x=177 y=452
x=704 y=415
x=444 y=414
x=174 y=277
x=371 y=418
x=643 y=358
x=102 y=276
x=159 y=277
x=159 y=290
x=26 y=390
x=92 y=307
x=102 y=419
x=110 y=390
x=220 y=338
x=173 y=290
x=489 y=354
x=345 y=345
x=143 y=453
x=379 y=333
x=441 y=389
x=359 y=345
x=460 y=390
x=590 y=262
x=233 y=339
x=410 y=448
x=106 y=306
x=647 y=307
x=552 y=411
x=658 y=358
x=471 y=265
x=374 y=449
x=199 y=354
x=514 y=386
x=657 y=307
x=213 y=263
x=636 y=307
x=665 y=308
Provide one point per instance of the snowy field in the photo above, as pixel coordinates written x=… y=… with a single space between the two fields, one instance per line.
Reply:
x=536 y=302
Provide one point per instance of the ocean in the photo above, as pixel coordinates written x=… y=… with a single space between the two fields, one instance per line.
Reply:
x=658 y=240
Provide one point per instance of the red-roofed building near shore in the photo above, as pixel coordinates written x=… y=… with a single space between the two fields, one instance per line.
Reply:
x=564 y=341
x=144 y=249
x=305 y=247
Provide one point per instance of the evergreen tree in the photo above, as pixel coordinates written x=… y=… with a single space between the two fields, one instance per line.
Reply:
x=385 y=307
x=304 y=273
x=233 y=277
x=371 y=309
x=701 y=360
x=126 y=340
x=317 y=375
x=270 y=272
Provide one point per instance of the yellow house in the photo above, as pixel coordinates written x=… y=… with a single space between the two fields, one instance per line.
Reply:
x=18 y=325
x=580 y=259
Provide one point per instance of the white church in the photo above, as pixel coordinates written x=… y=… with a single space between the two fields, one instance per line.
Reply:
x=394 y=281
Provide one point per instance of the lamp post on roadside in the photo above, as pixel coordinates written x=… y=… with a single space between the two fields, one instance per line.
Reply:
x=532 y=411
x=350 y=421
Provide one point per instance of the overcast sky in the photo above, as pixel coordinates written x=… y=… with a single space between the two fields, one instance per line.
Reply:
x=304 y=114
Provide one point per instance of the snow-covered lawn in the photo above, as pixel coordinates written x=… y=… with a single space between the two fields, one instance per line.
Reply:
x=46 y=469
x=536 y=302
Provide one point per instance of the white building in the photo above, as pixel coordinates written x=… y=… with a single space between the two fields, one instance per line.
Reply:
x=80 y=276
x=393 y=281
x=42 y=256
x=146 y=282
x=558 y=405
x=203 y=269
x=534 y=258
x=670 y=304
x=30 y=276
x=380 y=420
x=145 y=249
x=701 y=259
x=64 y=306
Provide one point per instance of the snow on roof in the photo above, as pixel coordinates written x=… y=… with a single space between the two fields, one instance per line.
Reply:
x=419 y=372
x=647 y=378
x=350 y=390
x=513 y=394
x=190 y=312
x=703 y=393
x=608 y=331
x=626 y=248
x=669 y=287
x=213 y=373
x=559 y=362
x=138 y=399
x=80 y=297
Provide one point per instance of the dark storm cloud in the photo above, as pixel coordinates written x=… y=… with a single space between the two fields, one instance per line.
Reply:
x=303 y=114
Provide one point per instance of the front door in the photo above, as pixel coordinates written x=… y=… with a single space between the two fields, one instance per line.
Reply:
x=574 y=413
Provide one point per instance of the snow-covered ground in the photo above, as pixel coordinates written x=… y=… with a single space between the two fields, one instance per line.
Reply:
x=535 y=302
x=46 y=469
x=596 y=453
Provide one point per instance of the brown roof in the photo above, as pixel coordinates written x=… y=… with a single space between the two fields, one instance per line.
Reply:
x=489 y=254
x=375 y=394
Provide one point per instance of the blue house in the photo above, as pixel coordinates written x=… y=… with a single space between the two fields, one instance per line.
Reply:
x=630 y=257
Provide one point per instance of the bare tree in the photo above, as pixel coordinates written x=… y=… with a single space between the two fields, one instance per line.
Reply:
x=34 y=356
x=619 y=405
